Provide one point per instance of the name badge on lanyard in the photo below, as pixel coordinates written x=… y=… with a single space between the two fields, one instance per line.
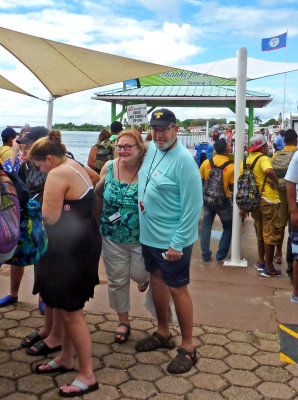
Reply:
x=115 y=217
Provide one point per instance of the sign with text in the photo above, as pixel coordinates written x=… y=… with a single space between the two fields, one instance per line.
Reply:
x=181 y=77
x=137 y=114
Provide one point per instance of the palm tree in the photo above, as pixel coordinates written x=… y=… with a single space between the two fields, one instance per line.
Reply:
x=257 y=120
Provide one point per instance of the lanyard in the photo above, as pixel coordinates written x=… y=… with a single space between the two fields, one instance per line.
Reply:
x=154 y=168
x=128 y=186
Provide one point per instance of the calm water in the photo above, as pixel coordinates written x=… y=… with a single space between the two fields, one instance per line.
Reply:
x=80 y=142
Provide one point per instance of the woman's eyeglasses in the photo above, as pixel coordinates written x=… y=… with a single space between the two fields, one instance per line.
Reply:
x=126 y=147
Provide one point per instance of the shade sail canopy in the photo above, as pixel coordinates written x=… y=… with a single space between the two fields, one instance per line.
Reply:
x=255 y=68
x=7 y=85
x=182 y=96
x=65 y=69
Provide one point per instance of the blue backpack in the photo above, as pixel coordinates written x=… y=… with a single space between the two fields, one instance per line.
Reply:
x=204 y=152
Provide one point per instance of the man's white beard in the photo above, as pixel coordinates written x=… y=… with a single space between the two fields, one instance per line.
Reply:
x=167 y=144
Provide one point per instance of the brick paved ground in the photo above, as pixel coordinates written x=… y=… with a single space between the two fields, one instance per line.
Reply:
x=234 y=365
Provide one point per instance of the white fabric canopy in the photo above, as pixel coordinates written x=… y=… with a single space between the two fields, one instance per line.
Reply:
x=255 y=68
x=7 y=85
x=65 y=69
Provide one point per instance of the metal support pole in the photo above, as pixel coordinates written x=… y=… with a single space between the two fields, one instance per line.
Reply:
x=251 y=121
x=113 y=111
x=50 y=111
x=239 y=151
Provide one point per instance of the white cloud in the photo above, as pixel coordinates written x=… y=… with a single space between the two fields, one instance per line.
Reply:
x=6 y=4
x=170 y=45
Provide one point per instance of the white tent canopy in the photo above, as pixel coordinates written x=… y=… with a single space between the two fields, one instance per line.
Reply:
x=255 y=68
x=65 y=69
x=7 y=85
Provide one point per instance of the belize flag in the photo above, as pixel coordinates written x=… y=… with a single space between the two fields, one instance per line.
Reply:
x=275 y=42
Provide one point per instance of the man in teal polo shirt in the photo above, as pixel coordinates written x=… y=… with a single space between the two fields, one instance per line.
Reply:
x=170 y=202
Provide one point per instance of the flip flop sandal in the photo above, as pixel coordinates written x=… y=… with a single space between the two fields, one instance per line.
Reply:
x=84 y=389
x=30 y=340
x=42 y=349
x=6 y=300
x=123 y=335
x=181 y=363
x=154 y=342
x=142 y=288
x=54 y=368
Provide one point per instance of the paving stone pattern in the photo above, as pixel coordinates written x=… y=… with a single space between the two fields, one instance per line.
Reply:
x=232 y=364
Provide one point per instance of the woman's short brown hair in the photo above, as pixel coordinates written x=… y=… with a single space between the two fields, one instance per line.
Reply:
x=138 y=138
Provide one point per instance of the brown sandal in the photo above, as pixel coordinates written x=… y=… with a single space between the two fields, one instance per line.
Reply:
x=154 y=342
x=181 y=362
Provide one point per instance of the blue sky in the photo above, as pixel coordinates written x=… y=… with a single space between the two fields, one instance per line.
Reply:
x=170 y=32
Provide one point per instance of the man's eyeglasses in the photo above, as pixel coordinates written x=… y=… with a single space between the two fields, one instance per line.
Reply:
x=126 y=147
x=161 y=129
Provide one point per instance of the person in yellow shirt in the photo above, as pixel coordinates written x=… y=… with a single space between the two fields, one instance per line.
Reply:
x=266 y=217
x=8 y=134
x=225 y=214
x=290 y=139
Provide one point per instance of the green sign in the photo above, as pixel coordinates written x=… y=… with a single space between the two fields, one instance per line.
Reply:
x=181 y=77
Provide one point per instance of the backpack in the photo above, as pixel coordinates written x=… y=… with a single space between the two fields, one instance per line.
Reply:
x=33 y=241
x=214 y=194
x=280 y=165
x=248 y=196
x=204 y=152
x=105 y=152
x=9 y=217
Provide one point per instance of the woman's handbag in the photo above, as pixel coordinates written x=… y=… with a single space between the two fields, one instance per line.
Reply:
x=33 y=240
x=9 y=217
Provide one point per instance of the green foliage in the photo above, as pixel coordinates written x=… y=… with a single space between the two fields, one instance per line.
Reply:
x=72 y=127
x=201 y=122
x=271 y=121
x=257 y=120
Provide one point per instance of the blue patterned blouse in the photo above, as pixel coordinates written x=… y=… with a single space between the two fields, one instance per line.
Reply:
x=123 y=198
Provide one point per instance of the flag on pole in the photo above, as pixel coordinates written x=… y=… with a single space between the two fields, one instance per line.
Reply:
x=275 y=42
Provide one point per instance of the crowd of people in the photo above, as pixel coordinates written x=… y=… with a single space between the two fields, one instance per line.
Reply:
x=112 y=207
x=138 y=204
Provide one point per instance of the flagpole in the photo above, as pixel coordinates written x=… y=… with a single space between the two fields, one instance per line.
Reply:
x=285 y=81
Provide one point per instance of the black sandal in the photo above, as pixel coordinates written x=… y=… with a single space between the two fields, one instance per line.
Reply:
x=154 y=342
x=123 y=335
x=31 y=339
x=42 y=349
x=181 y=362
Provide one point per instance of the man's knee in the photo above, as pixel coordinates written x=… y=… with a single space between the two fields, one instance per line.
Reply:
x=178 y=291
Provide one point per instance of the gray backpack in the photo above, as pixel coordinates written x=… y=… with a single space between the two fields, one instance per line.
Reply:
x=280 y=165
x=214 y=194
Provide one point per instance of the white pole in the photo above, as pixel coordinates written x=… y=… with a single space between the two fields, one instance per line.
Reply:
x=50 y=111
x=285 y=81
x=207 y=131
x=239 y=151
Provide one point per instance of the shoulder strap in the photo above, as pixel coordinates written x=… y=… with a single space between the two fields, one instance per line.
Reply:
x=211 y=162
x=224 y=165
x=252 y=167
x=255 y=161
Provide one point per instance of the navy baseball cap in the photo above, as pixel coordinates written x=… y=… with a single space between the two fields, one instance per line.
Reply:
x=34 y=133
x=162 y=117
x=8 y=133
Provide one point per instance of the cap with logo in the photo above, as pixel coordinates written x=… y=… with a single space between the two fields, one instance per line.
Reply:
x=162 y=117
x=8 y=133
x=34 y=133
x=256 y=142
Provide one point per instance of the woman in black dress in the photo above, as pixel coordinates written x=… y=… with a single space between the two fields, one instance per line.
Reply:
x=68 y=272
